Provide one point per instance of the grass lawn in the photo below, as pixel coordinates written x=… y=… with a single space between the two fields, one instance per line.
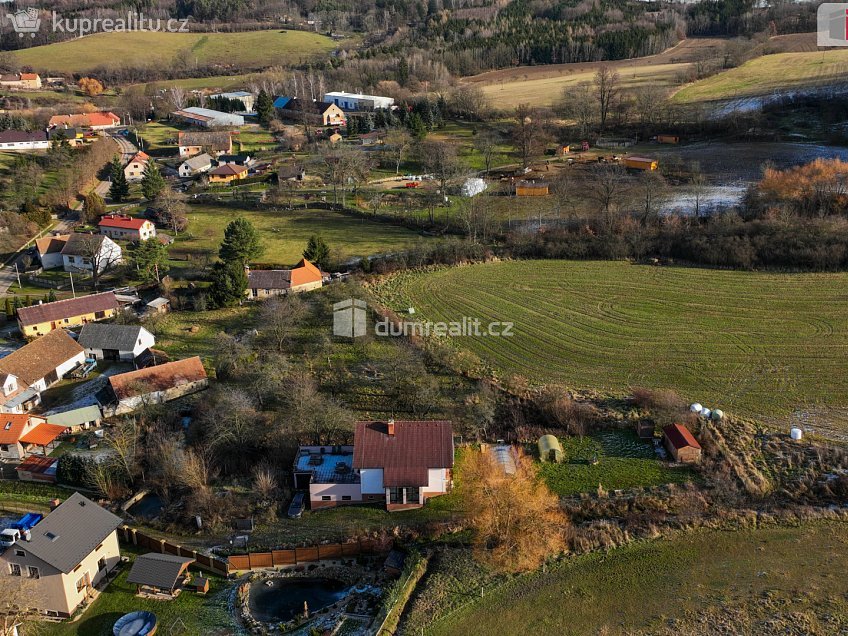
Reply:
x=248 y=49
x=200 y=614
x=763 y=75
x=773 y=580
x=624 y=461
x=285 y=233
x=756 y=344
x=188 y=333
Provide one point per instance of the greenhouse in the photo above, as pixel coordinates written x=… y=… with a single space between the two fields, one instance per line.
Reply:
x=549 y=449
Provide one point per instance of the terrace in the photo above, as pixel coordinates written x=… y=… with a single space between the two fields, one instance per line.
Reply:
x=324 y=465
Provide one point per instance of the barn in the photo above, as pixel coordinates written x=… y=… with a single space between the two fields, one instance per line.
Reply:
x=681 y=444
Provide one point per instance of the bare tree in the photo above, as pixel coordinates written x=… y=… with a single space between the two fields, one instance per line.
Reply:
x=99 y=255
x=178 y=96
x=124 y=440
x=653 y=191
x=441 y=160
x=19 y=602
x=475 y=214
x=606 y=91
x=171 y=209
x=698 y=181
x=577 y=104
x=396 y=146
x=280 y=317
x=530 y=132
x=607 y=186
x=470 y=101
x=487 y=143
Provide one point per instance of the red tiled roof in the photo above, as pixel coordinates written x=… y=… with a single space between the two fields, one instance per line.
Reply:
x=405 y=456
x=68 y=308
x=122 y=221
x=43 y=434
x=85 y=119
x=305 y=272
x=140 y=156
x=29 y=76
x=680 y=437
x=12 y=426
x=158 y=378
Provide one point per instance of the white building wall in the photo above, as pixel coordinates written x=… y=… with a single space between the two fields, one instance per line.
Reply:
x=335 y=492
x=53 y=260
x=371 y=481
x=437 y=480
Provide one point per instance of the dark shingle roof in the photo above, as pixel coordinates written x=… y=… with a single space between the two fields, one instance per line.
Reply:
x=158 y=570
x=406 y=455
x=269 y=279
x=83 y=244
x=68 y=308
x=71 y=532
x=103 y=336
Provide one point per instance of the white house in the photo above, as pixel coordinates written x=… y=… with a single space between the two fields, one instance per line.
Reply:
x=103 y=341
x=402 y=464
x=27 y=372
x=358 y=101
x=126 y=228
x=134 y=170
x=245 y=97
x=49 y=250
x=21 y=141
x=84 y=252
x=207 y=118
x=195 y=165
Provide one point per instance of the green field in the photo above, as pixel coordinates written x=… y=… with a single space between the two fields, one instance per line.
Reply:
x=623 y=461
x=755 y=344
x=249 y=49
x=769 y=581
x=764 y=75
x=285 y=233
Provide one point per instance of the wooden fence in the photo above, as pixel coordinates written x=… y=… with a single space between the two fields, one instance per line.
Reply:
x=132 y=536
x=278 y=558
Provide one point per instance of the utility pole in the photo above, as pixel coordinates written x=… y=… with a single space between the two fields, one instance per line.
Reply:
x=18 y=274
x=71 y=274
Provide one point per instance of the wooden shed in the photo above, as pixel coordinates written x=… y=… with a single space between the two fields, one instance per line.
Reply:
x=668 y=139
x=641 y=163
x=531 y=189
x=681 y=444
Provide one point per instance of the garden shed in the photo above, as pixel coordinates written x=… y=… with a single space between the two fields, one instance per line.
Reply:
x=549 y=449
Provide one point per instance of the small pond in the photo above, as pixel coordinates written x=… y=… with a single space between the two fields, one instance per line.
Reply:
x=148 y=507
x=283 y=600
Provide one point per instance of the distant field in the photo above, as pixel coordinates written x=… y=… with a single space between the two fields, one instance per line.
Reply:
x=252 y=48
x=285 y=233
x=769 y=581
x=757 y=344
x=780 y=72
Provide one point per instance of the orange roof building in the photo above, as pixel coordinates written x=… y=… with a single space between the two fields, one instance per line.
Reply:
x=264 y=283
x=21 y=433
x=95 y=121
x=162 y=383
x=681 y=444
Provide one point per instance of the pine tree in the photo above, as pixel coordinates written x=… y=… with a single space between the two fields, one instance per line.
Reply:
x=229 y=283
x=10 y=311
x=417 y=126
x=119 y=189
x=264 y=107
x=93 y=207
x=317 y=251
x=51 y=296
x=241 y=243
x=403 y=71
x=150 y=259
x=152 y=183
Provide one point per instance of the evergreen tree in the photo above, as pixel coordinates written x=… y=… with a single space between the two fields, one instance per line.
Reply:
x=10 y=311
x=317 y=251
x=93 y=207
x=51 y=296
x=241 y=243
x=229 y=283
x=150 y=259
x=152 y=183
x=403 y=71
x=417 y=126
x=119 y=189
x=264 y=107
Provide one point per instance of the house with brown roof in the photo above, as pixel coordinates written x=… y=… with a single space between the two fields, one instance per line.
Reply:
x=134 y=170
x=126 y=228
x=87 y=252
x=102 y=120
x=307 y=111
x=34 y=367
x=21 y=434
x=72 y=312
x=264 y=283
x=49 y=250
x=196 y=142
x=227 y=173
x=403 y=464
x=23 y=141
x=21 y=81
x=65 y=557
x=127 y=392
x=681 y=444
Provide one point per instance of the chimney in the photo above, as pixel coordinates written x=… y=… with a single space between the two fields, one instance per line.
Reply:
x=54 y=503
x=390 y=425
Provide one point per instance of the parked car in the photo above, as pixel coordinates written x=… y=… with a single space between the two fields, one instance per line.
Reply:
x=296 y=506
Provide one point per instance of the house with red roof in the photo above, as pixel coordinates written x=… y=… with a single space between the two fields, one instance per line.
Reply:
x=95 y=121
x=134 y=170
x=264 y=283
x=682 y=444
x=21 y=81
x=403 y=464
x=21 y=434
x=126 y=228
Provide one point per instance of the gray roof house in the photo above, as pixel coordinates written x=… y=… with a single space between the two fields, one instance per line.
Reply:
x=114 y=342
x=66 y=555
x=195 y=165
x=161 y=572
x=76 y=419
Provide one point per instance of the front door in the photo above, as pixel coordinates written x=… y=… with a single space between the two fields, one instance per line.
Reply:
x=51 y=378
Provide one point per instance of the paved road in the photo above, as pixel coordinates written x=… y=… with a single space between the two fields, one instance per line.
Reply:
x=8 y=277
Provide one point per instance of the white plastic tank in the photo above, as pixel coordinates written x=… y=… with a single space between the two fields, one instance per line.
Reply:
x=696 y=407
x=717 y=415
x=705 y=412
x=796 y=433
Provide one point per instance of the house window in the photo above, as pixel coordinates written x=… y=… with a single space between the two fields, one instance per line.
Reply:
x=98 y=547
x=412 y=495
x=325 y=497
x=345 y=497
x=20 y=553
x=101 y=564
x=395 y=495
x=81 y=584
x=14 y=569
x=99 y=314
x=33 y=572
x=4 y=448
